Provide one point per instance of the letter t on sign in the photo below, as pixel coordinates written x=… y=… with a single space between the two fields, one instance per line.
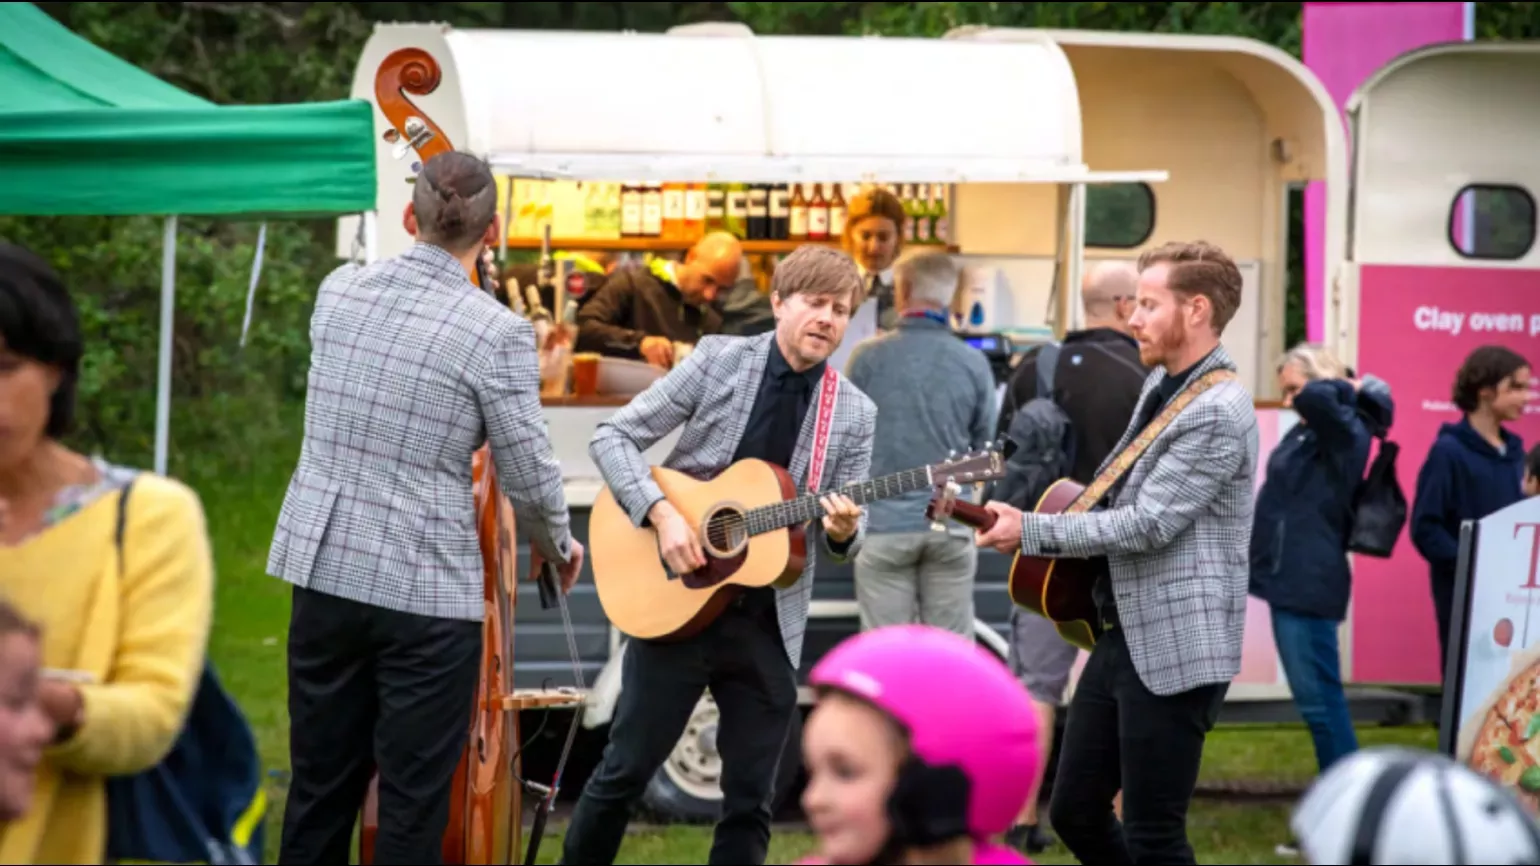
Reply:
x=1534 y=553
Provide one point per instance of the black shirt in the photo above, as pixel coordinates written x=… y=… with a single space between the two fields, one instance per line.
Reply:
x=775 y=422
x=1168 y=388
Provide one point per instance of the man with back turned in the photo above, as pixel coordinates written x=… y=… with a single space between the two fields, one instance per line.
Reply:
x=412 y=369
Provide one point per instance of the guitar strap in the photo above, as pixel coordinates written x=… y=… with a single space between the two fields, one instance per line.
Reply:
x=822 y=424
x=1135 y=449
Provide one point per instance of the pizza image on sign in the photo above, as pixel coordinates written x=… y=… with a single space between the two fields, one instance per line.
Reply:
x=1501 y=739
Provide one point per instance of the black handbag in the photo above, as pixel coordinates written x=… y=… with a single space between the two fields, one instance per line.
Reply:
x=1379 y=506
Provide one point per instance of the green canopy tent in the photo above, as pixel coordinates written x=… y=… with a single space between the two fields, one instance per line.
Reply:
x=83 y=132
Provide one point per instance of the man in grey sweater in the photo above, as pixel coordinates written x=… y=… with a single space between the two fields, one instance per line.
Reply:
x=934 y=394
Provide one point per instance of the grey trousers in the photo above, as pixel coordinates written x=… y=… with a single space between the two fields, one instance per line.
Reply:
x=922 y=577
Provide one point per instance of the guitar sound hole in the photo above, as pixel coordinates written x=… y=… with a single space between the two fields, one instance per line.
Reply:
x=726 y=532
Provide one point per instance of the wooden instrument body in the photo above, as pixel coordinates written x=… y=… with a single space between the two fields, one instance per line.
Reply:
x=486 y=803
x=639 y=594
x=1058 y=590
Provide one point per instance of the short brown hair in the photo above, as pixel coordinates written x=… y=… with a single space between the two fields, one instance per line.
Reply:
x=1200 y=268
x=814 y=269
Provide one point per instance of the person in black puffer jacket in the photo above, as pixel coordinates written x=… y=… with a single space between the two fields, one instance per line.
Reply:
x=1304 y=513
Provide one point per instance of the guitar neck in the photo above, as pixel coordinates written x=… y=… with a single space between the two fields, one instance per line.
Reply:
x=804 y=508
x=975 y=516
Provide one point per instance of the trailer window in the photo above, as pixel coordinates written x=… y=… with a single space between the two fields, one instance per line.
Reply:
x=1492 y=221
x=1119 y=215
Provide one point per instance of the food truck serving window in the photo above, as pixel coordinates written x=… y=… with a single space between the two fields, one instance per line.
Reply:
x=1119 y=215
x=1492 y=221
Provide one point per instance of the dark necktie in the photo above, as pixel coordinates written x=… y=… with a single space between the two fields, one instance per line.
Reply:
x=791 y=391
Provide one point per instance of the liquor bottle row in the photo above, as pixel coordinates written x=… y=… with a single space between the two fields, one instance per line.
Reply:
x=769 y=212
x=683 y=212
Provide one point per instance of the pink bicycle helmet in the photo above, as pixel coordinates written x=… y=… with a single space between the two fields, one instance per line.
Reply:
x=959 y=705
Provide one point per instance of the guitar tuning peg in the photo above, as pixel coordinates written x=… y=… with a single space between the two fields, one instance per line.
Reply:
x=951 y=454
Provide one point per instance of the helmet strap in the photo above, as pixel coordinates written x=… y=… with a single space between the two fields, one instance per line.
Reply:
x=929 y=805
x=1373 y=814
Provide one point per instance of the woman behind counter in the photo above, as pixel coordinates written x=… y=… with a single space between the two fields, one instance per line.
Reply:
x=131 y=628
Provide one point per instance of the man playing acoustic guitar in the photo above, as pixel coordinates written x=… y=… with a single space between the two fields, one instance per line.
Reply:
x=736 y=398
x=1175 y=527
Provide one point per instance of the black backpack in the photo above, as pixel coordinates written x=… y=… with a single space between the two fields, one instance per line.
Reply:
x=1379 y=505
x=1040 y=442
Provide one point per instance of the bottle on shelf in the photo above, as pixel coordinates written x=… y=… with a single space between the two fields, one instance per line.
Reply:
x=758 y=220
x=906 y=198
x=631 y=209
x=818 y=215
x=940 y=226
x=837 y=213
x=694 y=211
x=673 y=211
x=737 y=209
x=652 y=210
x=780 y=212
x=716 y=207
x=796 y=226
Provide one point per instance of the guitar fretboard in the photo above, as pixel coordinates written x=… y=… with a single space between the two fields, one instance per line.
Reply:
x=769 y=518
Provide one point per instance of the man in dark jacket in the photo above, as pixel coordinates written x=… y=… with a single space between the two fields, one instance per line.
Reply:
x=640 y=313
x=1096 y=383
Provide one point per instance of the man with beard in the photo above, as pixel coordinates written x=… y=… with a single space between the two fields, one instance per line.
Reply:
x=736 y=398
x=1174 y=524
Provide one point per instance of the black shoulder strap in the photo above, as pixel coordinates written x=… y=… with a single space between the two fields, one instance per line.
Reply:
x=122 y=526
x=1120 y=358
x=1047 y=369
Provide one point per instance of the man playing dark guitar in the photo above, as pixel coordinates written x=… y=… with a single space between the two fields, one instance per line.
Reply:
x=736 y=398
x=1175 y=529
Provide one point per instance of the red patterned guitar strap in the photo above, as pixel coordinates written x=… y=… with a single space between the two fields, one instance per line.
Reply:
x=822 y=424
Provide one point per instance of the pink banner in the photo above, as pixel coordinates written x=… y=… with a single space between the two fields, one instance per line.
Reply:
x=1417 y=324
x=1343 y=44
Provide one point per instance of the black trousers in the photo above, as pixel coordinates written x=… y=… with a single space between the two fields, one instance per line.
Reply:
x=741 y=658
x=1120 y=734
x=373 y=688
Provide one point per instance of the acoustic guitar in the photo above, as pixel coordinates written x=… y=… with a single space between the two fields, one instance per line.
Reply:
x=750 y=522
x=1059 y=590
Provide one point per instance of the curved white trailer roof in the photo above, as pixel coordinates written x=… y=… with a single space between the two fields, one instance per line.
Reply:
x=715 y=102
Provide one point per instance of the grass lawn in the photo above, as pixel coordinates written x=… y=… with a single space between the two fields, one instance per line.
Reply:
x=248 y=648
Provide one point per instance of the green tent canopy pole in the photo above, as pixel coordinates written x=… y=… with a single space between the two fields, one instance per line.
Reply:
x=167 y=324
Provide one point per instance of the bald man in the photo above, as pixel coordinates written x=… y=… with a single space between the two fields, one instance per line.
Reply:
x=640 y=313
x=1096 y=381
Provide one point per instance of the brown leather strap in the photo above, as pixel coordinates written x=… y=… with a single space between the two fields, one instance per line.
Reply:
x=1130 y=455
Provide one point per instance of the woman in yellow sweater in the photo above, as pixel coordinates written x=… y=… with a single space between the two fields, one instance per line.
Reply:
x=129 y=627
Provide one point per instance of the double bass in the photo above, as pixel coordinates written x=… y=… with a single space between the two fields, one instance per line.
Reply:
x=486 y=798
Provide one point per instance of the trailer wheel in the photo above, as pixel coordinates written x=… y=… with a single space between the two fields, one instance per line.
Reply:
x=688 y=787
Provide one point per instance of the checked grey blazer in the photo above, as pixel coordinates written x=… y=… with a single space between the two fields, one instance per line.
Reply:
x=711 y=394
x=412 y=369
x=1177 y=537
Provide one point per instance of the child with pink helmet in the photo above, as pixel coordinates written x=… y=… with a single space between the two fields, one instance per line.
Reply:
x=922 y=748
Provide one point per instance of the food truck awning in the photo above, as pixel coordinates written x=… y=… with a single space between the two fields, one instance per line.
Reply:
x=717 y=103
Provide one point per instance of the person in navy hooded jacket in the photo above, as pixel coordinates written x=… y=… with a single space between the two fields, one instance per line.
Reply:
x=1304 y=512
x=1475 y=467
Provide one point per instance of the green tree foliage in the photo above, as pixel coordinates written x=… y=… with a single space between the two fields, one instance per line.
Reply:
x=257 y=53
